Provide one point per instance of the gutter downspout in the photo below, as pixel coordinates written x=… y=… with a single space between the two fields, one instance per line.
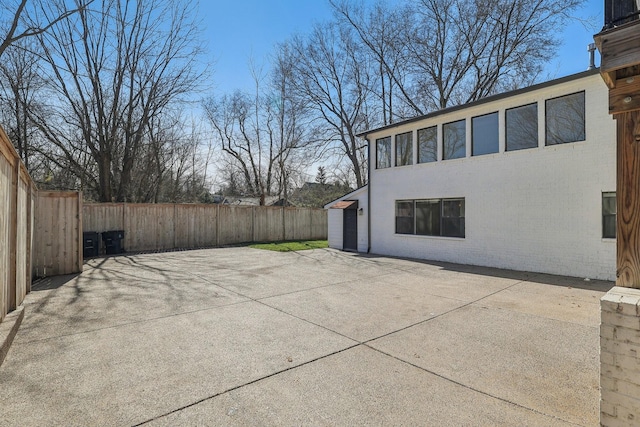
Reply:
x=368 y=194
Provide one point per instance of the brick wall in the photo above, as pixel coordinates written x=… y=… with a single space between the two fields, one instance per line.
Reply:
x=537 y=209
x=619 y=363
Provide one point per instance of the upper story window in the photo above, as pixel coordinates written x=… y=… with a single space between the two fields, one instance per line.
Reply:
x=521 y=127
x=565 y=119
x=453 y=140
x=383 y=153
x=484 y=134
x=428 y=144
x=404 y=149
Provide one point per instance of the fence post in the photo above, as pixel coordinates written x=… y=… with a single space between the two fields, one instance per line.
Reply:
x=218 y=224
x=79 y=237
x=253 y=224
x=13 y=239
x=284 y=225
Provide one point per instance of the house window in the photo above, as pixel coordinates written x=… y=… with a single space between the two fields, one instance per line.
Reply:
x=404 y=149
x=383 y=153
x=427 y=144
x=404 y=217
x=565 y=119
x=522 y=127
x=432 y=217
x=428 y=217
x=453 y=140
x=484 y=134
x=609 y=215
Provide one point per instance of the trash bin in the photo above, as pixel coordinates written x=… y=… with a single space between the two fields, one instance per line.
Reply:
x=113 y=241
x=90 y=244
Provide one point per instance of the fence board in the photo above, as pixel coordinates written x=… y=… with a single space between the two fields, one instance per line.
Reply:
x=195 y=226
x=162 y=226
x=148 y=227
x=57 y=241
x=6 y=172
x=99 y=217
x=16 y=231
x=235 y=224
x=319 y=224
x=268 y=225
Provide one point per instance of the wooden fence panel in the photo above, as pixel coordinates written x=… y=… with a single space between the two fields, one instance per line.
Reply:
x=319 y=224
x=58 y=233
x=195 y=226
x=22 y=238
x=268 y=225
x=99 y=217
x=298 y=224
x=6 y=179
x=148 y=227
x=235 y=224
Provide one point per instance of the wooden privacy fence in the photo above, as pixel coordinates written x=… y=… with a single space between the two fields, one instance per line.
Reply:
x=58 y=233
x=17 y=198
x=172 y=226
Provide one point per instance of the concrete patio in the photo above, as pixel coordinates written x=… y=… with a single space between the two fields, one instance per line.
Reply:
x=239 y=336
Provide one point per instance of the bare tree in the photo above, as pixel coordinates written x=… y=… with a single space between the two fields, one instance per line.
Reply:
x=459 y=51
x=20 y=85
x=30 y=18
x=266 y=135
x=328 y=71
x=115 y=71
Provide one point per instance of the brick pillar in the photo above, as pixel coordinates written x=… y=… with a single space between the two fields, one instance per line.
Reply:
x=619 y=362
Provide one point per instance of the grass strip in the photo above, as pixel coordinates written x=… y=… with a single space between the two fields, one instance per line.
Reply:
x=291 y=246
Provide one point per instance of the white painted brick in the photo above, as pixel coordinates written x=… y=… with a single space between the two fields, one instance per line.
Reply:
x=623 y=403
x=609 y=421
x=608 y=408
x=607 y=357
x=621 y=320
x=617 y=347
x=608 y=332
x=608 y=383
x=535 y=210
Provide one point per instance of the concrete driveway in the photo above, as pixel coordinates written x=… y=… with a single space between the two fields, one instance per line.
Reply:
x=240 y=336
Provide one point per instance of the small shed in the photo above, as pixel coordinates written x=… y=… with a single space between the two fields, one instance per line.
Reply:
x=348 y=221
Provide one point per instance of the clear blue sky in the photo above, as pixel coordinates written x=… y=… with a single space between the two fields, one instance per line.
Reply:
x=238 y=30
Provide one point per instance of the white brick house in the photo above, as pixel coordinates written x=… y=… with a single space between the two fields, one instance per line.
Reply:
x=523 y=180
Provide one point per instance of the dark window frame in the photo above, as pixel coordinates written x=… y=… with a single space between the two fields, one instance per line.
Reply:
x=608 y=215
x=493 y=113
x=444 y=139
x=435 y=146
x=584 y=118
x=378 y=141
x=506 y=127
x=442 y=218
x=410 y=149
